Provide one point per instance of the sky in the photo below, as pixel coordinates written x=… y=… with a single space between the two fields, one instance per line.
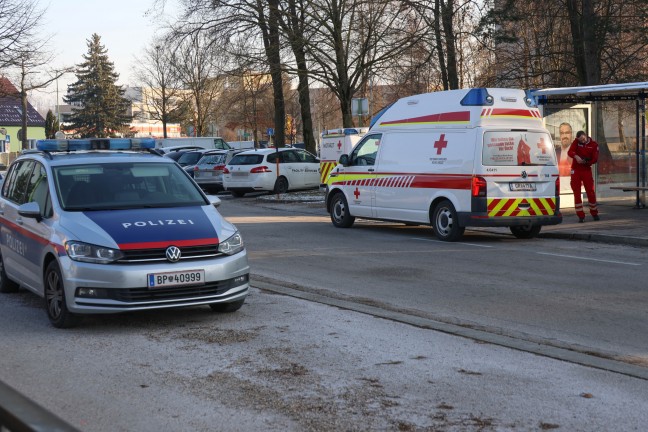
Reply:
x=123 y=26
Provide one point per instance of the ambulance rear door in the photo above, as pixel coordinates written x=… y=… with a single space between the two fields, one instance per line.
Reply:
x=521 y=174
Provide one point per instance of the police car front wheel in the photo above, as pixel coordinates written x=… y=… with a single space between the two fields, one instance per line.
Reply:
x=55 y=303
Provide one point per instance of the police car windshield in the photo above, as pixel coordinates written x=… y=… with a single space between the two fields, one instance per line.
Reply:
x=109 y=186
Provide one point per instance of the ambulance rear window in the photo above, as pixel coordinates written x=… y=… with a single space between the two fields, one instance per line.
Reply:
x=517 y=148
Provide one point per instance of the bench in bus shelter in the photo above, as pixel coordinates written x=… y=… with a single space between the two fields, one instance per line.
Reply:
x=640 y=203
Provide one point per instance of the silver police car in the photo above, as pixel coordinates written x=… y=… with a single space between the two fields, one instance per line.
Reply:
x=103 y=226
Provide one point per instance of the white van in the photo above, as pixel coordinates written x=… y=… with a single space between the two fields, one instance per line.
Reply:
x=334 y=143
x=452 y=159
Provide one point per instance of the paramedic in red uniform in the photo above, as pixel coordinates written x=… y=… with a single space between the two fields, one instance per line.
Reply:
x=585 y=152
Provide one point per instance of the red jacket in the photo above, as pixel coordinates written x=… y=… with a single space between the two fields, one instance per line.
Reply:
x=588 y=151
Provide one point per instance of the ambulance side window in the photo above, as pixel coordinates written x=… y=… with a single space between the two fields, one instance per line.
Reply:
x=366 y=151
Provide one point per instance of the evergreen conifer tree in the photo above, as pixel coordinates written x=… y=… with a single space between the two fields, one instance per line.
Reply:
x=99 y=108
x=51 y=125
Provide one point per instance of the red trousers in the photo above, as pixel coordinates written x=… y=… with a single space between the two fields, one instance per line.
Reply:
x=584 y=177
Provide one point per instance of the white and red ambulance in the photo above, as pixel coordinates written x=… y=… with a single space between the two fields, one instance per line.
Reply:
x=333 y=144
x=452 y=159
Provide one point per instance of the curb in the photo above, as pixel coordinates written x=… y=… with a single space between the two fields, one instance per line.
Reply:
x=599 y=238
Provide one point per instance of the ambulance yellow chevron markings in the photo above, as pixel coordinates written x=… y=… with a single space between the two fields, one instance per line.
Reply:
x=499 y=207
x=325 y=169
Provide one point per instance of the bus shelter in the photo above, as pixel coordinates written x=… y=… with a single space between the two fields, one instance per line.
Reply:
x=614 y=115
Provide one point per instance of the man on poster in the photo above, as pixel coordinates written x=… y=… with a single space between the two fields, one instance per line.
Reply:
x=566 y=138
x=585 y=152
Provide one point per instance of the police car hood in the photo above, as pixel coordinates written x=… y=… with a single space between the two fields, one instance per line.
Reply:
x=150 y=228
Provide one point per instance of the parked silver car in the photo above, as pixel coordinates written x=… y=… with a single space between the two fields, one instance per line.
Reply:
x=208 y=172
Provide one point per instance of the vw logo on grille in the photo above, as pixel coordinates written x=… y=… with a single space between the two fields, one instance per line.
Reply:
x=524 y=174
x=173 y=253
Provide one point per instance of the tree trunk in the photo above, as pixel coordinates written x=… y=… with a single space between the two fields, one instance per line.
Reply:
x=272 y=48
x=297 y=43
x=439 y=44
x=447 y=15
x=591 y=46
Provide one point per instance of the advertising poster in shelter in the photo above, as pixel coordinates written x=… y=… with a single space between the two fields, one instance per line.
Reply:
x=563 y=123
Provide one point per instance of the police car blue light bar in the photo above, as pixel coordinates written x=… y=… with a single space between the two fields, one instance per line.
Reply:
x=477 y=97
x=95 y=144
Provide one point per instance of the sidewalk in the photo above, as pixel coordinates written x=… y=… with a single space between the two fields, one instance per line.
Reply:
x=621 y=223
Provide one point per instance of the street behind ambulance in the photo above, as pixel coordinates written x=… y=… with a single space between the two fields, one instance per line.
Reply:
x=376 y=327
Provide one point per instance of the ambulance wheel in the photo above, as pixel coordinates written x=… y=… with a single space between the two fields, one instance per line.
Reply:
x=281 y=186
x=227 y=307
x=445 y=222
x=526 y=232
x=340 y=215
x=55 y=303
x=6 y=285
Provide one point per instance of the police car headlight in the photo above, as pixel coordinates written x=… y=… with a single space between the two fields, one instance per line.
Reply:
x=85 y=252
x=232 y=245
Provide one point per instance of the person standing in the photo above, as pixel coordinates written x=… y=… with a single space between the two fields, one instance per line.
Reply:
x=585 y=152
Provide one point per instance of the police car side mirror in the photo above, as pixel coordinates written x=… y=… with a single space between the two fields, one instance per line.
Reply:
x=30 y=210
x=214 y=200
x=344 y=160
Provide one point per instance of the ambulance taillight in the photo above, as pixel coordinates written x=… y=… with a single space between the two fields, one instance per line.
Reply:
x=478 y=187
x=557 y=187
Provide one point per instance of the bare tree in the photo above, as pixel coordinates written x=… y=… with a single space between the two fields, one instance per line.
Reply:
x=198 y=70
x=30 y=67
x=570 y=42
x=18 y=28
x=350 y=39
x=161 y=87
x=224 y=21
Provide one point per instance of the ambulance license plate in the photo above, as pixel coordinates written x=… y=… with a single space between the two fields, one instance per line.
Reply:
x=188 y=277
x=531 y=187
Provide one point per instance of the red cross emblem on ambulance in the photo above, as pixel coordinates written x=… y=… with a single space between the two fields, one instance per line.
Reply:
x=339 y=145
x=440 y=144
x=356 y=193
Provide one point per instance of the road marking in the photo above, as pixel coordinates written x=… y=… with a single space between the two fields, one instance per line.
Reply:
x=444 y=242
x=588 y=259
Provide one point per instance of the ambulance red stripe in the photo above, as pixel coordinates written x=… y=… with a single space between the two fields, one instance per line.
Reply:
x=458 y=116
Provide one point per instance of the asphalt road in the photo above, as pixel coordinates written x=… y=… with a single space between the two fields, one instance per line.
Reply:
x=362 y=353
x=582 y=296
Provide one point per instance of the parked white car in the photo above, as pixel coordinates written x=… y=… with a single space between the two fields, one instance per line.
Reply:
x=256 y=170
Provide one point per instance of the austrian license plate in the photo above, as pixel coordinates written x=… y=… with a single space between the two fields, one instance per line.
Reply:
x=239 y=174
x=531 y=187
x=188 y=277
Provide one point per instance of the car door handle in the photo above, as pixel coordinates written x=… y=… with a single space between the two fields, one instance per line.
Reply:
x=19 y=221
x=371 y=170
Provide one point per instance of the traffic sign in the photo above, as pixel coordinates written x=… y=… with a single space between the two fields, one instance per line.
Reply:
x=270 y=131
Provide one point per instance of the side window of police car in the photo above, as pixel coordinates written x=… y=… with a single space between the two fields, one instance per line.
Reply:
x=38 y=191
x=17 y=181
x=365 y=152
